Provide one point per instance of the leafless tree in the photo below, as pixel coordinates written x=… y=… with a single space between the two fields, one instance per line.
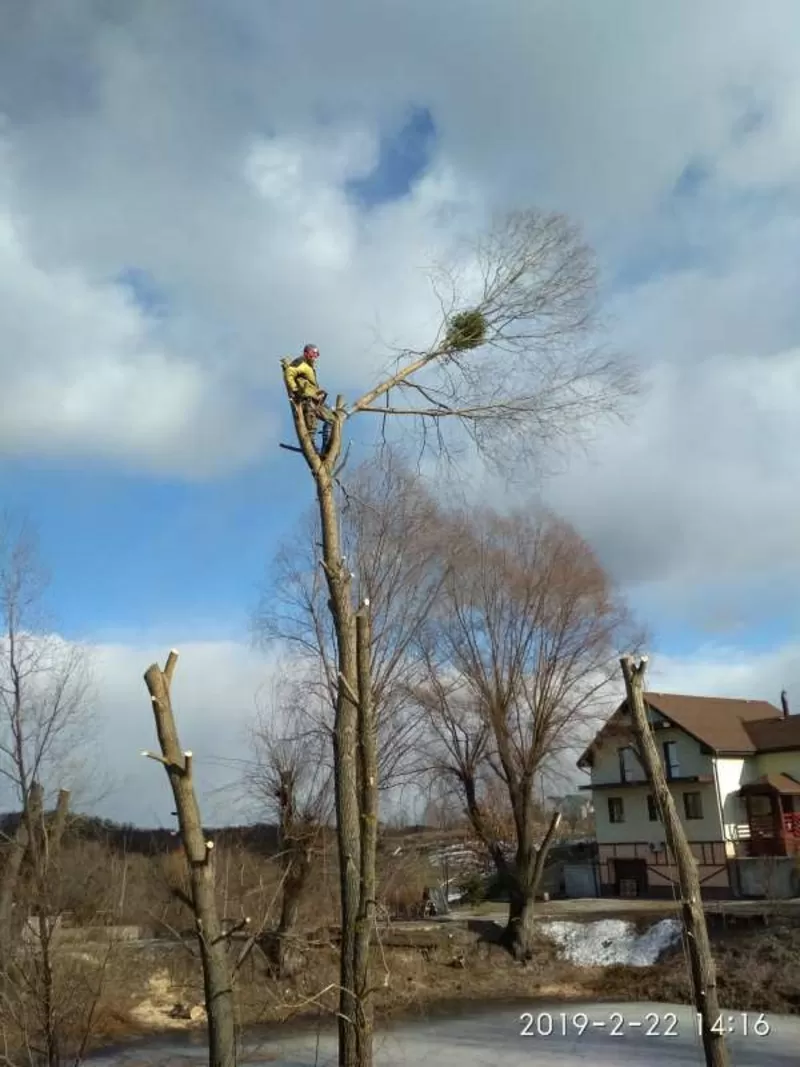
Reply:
x=45 y=728
x=49 y=994
x=389 y=525
x=515 y=366
x=45 y=716
x=521 y=652
x=292 y=780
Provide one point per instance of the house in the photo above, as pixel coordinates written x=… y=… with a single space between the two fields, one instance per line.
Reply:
x=734 y=772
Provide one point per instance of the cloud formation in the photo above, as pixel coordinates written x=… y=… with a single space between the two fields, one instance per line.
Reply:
x=217 y=150
x=219 y=686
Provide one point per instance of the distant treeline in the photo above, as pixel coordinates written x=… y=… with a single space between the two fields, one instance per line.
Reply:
x=137 y=840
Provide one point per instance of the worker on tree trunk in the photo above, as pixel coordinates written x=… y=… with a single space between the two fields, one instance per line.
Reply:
x=301 y=382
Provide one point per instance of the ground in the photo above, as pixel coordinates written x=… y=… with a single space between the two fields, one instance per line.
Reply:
x=430 y=969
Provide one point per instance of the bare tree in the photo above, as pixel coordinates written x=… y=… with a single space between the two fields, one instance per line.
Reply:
x=293 y=782
x=515 y=366
x=520 y=654
x=45 y=722
x=49 y=994
x=45 y=718
x=389 y=536
x=217 y=970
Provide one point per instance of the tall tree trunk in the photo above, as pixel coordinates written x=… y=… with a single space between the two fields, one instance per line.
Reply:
x=47 y=836
x=49 y=1017
x=368 y=781
x=703 y=971
x=294 y=847
x=525 y=881
x=217 y=971
x=345 y=754
x=345 y=732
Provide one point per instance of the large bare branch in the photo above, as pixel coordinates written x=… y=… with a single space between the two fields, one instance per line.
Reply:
x=389 y=532
x=518 y=352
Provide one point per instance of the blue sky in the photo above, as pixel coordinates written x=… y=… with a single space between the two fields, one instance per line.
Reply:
x=185 y=200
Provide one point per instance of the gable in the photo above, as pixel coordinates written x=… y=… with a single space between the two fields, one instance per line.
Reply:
x=618 y=731
x=722 y=724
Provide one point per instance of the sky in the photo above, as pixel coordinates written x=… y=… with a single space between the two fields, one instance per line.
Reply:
x=189 y=191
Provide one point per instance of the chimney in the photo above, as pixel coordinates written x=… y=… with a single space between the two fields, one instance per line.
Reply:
x=785 y=704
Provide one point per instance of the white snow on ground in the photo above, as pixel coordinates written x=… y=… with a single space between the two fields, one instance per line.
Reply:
x=612 y=941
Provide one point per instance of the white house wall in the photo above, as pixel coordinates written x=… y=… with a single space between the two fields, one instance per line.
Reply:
x=637 y=825
x=731 y=775
x=691 y=761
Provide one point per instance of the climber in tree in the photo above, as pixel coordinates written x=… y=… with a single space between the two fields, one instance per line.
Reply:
x=301 y=382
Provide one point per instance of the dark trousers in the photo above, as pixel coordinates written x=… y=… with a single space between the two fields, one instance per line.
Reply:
x=314 y=411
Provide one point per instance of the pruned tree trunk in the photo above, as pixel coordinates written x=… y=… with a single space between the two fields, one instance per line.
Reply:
x=294 y=845
x=703 y=970
x=217 y=971
x=17 y=849
x=525 y=882
x=345 y=754
x=368 y=783
x=46 y=838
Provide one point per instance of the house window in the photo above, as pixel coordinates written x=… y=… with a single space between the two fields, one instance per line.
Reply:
x=693 y=805
x=622 y=754
x=629 y=769
x=652 y=809
x=671 y=765
x=616 y=810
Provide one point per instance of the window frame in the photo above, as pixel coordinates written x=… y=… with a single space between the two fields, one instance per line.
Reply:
x=672 y=765
x=612 y=801
x=694 y=794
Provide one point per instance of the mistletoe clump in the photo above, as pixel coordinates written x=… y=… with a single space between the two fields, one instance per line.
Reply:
x=466 y=330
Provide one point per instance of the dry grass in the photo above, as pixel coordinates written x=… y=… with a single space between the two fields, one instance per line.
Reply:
x=419 y=970
x=437 y=969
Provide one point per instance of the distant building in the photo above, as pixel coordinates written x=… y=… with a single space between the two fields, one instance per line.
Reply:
x=734 y=771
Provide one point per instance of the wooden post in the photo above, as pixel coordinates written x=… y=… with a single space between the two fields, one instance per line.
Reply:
x=217 y=971
x=703 y=970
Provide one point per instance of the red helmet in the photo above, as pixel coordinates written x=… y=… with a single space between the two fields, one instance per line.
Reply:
x=311 y=352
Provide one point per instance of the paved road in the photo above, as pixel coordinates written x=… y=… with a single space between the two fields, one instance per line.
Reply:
x=494 y=1038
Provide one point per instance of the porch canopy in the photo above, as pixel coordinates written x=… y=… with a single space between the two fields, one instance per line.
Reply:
x=782 y=784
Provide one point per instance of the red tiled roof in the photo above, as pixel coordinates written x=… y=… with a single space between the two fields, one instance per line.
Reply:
x=772 y=735
x=722 y=723
x=725 y=724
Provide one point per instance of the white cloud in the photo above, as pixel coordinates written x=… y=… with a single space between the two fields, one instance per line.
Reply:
x=219 y=685
x=730 y=671
x=212 y=149
x=217 y=689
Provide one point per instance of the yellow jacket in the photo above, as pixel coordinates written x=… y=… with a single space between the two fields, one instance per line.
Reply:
x=301 y=378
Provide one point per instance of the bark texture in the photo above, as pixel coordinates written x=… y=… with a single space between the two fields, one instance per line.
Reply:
x=217 y=970
x=525 y=881
x=16 y=852
x=703 y=970
x=368 y=782
x=355 y=1040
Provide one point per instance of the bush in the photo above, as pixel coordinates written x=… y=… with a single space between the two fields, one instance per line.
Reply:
x=474 y=889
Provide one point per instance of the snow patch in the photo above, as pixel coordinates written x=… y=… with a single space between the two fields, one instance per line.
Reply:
x=612 y=941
